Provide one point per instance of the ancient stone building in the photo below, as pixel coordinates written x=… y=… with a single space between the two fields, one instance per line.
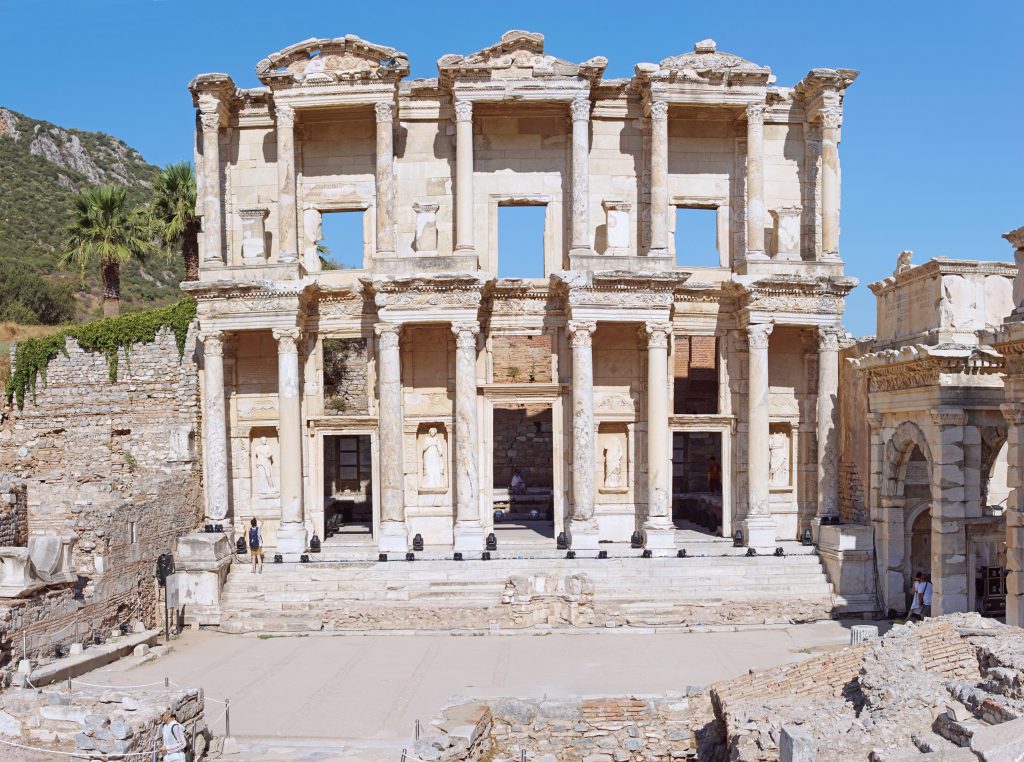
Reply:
x=392 y=398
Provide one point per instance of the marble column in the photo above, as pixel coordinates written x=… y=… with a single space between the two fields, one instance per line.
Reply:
x=581 y=176
x=759 y=525
x=291 y=535
x=215 y=433
x=755 y=182
x=828 y=435
x=659 y=531
x=949 y=509
x=393 y=536
x=213 y=243
x=830 y=182
x=658 y=244
x=464 y=177
x=583 y=528
x=469 y=533
x=287 y=230
x=1014 y=414
x=385 y=178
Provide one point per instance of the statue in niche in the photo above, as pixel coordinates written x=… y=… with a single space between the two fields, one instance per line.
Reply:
x=433 y=461
x=613 y=470
x=778 y=459
x=263 y=457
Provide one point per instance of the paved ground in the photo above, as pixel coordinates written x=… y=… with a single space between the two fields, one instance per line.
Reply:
x=325 y=690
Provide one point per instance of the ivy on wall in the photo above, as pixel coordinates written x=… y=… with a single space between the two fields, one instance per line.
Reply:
x=108 y=337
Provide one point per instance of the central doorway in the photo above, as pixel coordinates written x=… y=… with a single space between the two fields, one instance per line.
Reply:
x=523 y=474
x=348 y=488
x=697 y=474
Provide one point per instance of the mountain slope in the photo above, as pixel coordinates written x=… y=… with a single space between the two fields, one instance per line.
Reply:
x=42 y=166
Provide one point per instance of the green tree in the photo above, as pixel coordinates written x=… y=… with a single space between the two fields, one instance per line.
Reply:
x=105 y=230
x=173 y=214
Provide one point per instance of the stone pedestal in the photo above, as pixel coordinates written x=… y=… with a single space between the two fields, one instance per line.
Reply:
x=583 y=535
x=469 y=537
x=759 y=532
x=847 y=553
x=394 y=537
x=660 y=539
x=201 y=562
x=292 y=541
x=17 y=575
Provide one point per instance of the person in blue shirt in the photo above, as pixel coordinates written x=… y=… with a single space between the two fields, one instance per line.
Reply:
x=256 y=546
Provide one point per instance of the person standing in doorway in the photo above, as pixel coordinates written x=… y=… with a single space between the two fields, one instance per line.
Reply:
x=173 y=734
x=926 y=596
x=917 y=605
x=256 y=546
x=714 y=475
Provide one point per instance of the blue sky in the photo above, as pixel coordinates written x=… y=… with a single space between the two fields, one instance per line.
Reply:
x=932 y=139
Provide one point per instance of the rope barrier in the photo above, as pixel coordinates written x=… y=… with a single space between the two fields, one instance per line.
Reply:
x=115 y=687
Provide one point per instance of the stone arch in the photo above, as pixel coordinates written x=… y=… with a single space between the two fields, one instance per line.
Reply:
x=994 y=464
x=897 y=454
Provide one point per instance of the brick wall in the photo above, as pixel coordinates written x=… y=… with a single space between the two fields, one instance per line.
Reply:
x=115 y=464
x=523 y=440
x=696 y=374
x=522 y=359
x=13 y=515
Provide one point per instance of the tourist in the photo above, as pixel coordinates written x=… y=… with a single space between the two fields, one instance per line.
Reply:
x=714 y=475
x=175 y=745
x=518 y=486
x=256 y=546
x=917 y=605
x=926 y=597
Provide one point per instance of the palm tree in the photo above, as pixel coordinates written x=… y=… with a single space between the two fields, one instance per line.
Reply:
x=173 y=214
x=105 y=230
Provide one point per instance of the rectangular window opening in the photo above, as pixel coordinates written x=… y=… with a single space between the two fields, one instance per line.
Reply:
x=521 y=241
x=342 y=242
x=696 y=375
x=697 y=237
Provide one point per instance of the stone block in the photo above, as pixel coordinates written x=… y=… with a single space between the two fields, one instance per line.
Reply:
x=999 y=743
x=141 y=650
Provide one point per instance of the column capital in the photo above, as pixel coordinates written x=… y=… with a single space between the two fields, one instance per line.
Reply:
x=755 y=113
x=1013 y=412
x=210 y=121
x=874 y=421
x=948 y=416
x=284 y=116
x=580 y=108
x=659 y=111
x=830 y=117
x=463 y=111
x=465 y=333
x=213 y=342
x=581 y=332
x=387 y=334
x=385 y=111
x=757 y=335
x=657 y=333
x=287 y=339
x=828 y=338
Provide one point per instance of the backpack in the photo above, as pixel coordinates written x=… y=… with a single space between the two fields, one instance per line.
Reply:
x=188 y=750
x=254 y=537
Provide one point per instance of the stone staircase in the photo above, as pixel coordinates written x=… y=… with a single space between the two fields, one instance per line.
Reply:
x=522 y=592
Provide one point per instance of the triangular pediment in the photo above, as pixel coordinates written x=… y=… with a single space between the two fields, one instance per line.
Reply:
x=518 y=55
x=338 y=59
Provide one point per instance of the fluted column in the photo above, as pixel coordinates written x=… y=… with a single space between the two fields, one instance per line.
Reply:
x=385 y=178
x=755 y=182
x=659 y=530
x=583 y=527
x=287 y=232
x=759 y=526
x=291 y=536
x=469 y=534
x=464 y=177
x=580 y=175
x=659 y=180
x=393 y=536
x=830 y=182
x=213 y=245
x=1014 y=414
x=215 y=434
x=828 y=436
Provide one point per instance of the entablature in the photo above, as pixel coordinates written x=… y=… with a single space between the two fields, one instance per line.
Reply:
x=250 y=305
x=426 y=298
x=620 y=296
x=919 y=366
x=787 y=299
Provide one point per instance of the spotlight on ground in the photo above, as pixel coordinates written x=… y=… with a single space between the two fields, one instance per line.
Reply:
x=485 y=556
x=562 y=543
x=636 y=540
x=278 y=558
x=382 y=556
x=304 y=558
x=647 y=554
x=410 y=556
x=417 y=543
x=681 y=553
x=240 y=548
x=807 y=538
x=751 y=552
x=602 y=554
x=779 y=552
x=492 y=542
x=737 y=538
x=314 y=544
x=570 y=554
x=457 y=557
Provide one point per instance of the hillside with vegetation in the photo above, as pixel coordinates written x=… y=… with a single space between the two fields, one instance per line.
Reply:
x=42 y=169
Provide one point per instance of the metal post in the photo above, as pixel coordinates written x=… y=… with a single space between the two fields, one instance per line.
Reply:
x=227 y=718
x=167 y=682
x=167 y=627
x=69 y=684
x=24 y=646
x=403 y=755
x=417 y=730
x=522 y=755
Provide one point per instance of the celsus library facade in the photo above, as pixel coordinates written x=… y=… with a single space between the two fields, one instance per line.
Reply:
x=604 y=377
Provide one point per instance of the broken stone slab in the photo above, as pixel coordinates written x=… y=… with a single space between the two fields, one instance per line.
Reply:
x=64 y=713
x=999 y=743
x=9 y=726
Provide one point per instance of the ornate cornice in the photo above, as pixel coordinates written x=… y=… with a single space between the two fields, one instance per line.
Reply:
x=794 y=293
x=1016 y=238
x=943 y=416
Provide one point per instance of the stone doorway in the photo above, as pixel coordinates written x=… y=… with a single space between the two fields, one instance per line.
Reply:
x=348 y=488
x=919 y=539
x=697 y=474
x=523 y=474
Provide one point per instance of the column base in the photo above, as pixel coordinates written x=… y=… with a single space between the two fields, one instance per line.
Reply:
x=660 y=538
x=394 y=538
x=755 y=255
x=291 y=541
x=657 y=252
x=583 y=535
x=759 y=531
x=469 y=537
x=288 y=257
x=581 y=251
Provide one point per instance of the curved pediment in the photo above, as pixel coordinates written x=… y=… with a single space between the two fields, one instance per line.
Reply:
x=341 y=59
x=518 y=55
x=705 y=63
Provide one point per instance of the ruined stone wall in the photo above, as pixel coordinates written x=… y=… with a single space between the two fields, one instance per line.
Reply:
x=115 y=464
x=854 y=438
x=345 y=376
x=13 y=515
x=523 y=440
x=522 y=359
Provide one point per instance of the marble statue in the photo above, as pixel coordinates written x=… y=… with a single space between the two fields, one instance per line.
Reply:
x=613 y=463
x=433 y=461
x=778 y=459
x=263 y=455
x=903 y=262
